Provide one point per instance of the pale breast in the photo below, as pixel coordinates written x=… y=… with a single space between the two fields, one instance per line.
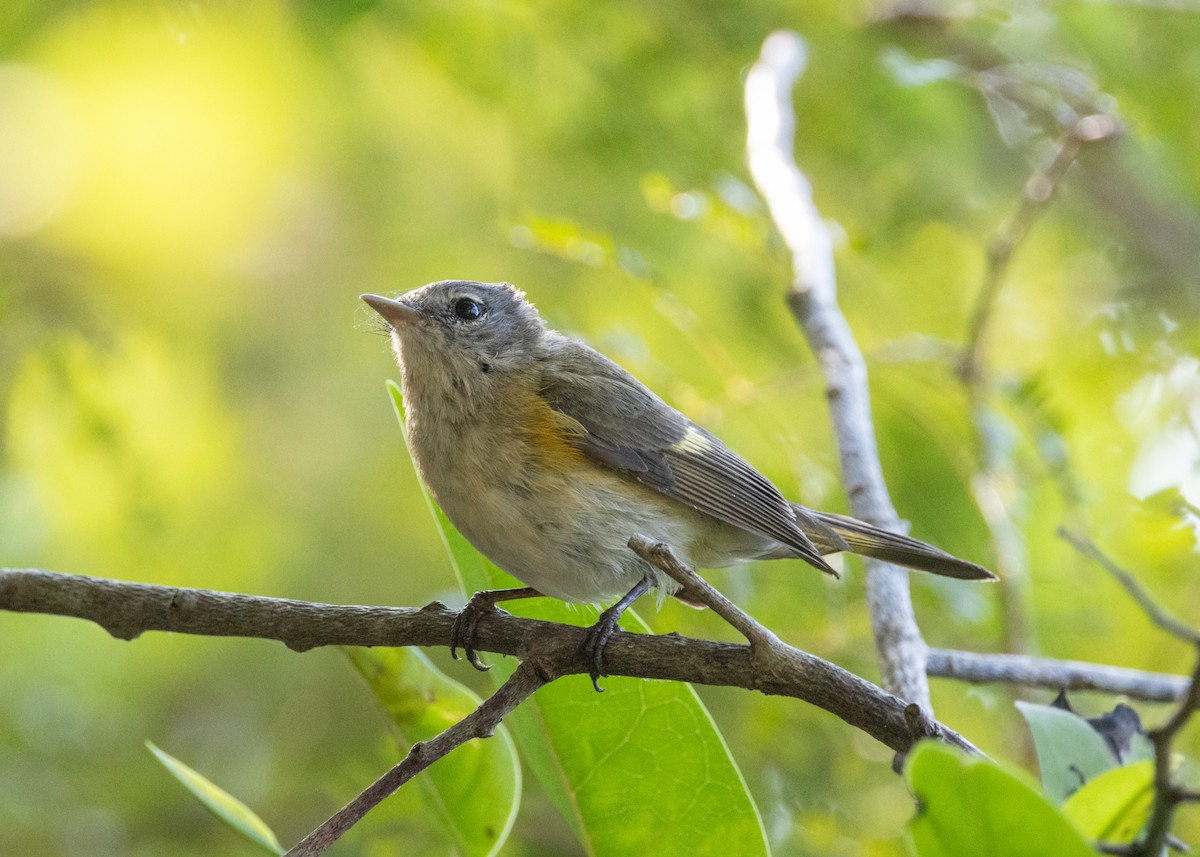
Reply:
x=557 y=520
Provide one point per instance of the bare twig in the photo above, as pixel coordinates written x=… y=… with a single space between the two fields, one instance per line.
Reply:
x=1167 y=795
x=813 y=300
x=480 y=723
x=1055 y=674
x=772 y=654
x=1161 y=226
x=1136 y=591
x=1035 y=198
x=660 y=555
x=993 y=484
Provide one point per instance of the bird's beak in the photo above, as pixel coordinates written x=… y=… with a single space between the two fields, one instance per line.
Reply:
x=396 y=313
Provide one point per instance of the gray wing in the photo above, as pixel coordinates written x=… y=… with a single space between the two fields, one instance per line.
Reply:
x=630 y=429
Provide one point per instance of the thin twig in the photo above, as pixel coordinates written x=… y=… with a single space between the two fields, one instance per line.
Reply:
x=660 y=555
x=774 y=658
x=994 y=481
x=1167 y=795
x=480 y=723
x=813 y=300
x=1136 y=591
x=771 y=652
x=1055 y=674
x=1035 y=199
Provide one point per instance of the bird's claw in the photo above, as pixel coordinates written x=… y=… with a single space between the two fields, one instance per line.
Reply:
x=466 y=623
x=594 y=644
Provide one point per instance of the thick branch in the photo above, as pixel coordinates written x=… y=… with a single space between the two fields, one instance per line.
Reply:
x=129 y=609
x=126 y=610
x=813 y=300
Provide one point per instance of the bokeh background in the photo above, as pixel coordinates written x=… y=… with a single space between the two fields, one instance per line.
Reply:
x=193 y=194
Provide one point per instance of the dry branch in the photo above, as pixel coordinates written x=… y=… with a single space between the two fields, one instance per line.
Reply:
x=899 y=647
x=127 y=610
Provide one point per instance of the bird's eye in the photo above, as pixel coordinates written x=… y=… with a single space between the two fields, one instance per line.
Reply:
x=468 y=309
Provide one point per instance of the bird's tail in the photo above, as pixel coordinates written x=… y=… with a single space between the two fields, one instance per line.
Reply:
x=880 y=544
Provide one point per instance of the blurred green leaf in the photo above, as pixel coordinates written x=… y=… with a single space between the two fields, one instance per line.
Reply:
x=1070 y=752
x=624 y=767
x=1114 y=806
x=969 y=807
x=474 y=792
x=218 y=801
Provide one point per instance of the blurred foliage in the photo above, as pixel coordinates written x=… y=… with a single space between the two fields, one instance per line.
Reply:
x=235 y=814
x=192 y=195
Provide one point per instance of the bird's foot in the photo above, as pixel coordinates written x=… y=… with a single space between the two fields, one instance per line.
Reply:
x=596 y=640
x=466 y=623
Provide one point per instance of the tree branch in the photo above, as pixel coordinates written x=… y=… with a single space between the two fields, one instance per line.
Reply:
x=993 y=484
x=480 y=723
x=1130 y=584
x=1055 y=674
x=770 y=653
x=1035 y=198
x=127 y=610
x=1167 y=795
x=813 y=300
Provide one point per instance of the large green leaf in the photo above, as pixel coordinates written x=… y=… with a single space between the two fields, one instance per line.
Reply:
x=969 y=807
x=219 y=802
x=1114 y=806
x=636 y=769
x=473 y=793
x=1070 y=752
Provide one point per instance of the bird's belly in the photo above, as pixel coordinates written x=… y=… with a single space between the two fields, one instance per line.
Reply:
x=560 y=522
x=565 y=532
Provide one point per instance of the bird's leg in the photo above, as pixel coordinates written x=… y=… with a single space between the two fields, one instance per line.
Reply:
x=462 y=632
x=599 y=634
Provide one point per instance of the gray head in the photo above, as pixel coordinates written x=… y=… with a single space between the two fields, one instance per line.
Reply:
x=460 y=335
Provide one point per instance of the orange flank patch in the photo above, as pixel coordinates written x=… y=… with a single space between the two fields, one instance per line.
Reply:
x=553 y=433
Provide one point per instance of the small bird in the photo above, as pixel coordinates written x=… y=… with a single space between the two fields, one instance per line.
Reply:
x=548 y=457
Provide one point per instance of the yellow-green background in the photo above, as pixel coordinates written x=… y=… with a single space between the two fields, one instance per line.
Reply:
x=192 y=195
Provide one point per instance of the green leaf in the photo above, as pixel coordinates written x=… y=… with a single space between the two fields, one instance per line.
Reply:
x=1070 y=752
x=473 y=794
x=1116 y=805
x=218 y=801
x=640 y=768
x=969 y=807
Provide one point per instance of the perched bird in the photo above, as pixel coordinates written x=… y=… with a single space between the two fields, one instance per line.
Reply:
x=548 y=457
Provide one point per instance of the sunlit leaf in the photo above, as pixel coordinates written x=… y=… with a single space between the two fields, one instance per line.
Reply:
x=969 y=807
x=642 y=766
x=218 y=801
x=1114 y=806
x=473 y=794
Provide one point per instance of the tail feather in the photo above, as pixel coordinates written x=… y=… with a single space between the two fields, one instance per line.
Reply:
x=880 y=544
